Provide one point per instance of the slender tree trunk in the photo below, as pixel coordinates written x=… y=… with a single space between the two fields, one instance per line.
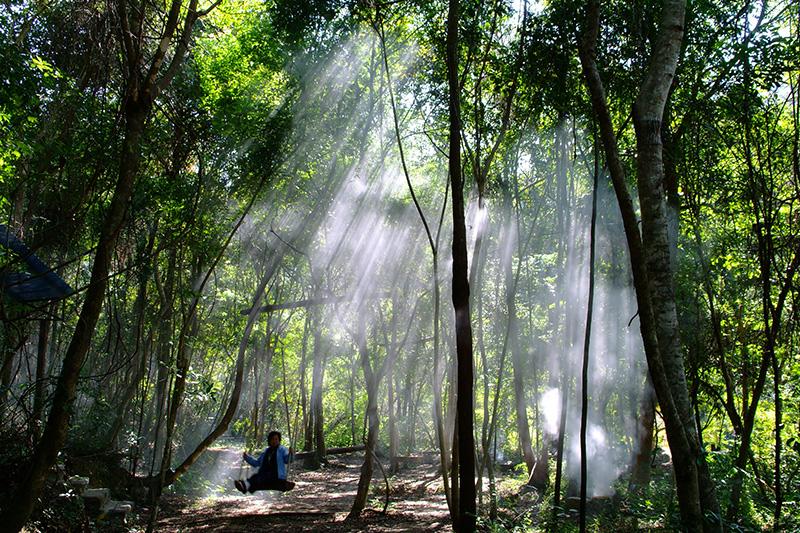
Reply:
x=303 y=385
x=371 y=379
x=540 y=474
x=777 y=483
x=183 y=359
x=286 y=409
x=41 y=370
x=408 y=407
x=165 y=353
x=586 y=345
x=520 y=405
x=318 y=373
x=147 y=362
x=438 y=418
x=266 y=353
x=188 y=332
x=255 y=421
x=394 y=437
x=562 y=429
x=464 y=402
x=352 y=399
x=438 y=376
x=645 y=425
x=484 y=460
x=238 y=375
x=563 y=307
x=650 y=255
x=140 y=347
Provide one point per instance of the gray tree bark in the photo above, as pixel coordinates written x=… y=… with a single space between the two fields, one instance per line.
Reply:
x=650 y=255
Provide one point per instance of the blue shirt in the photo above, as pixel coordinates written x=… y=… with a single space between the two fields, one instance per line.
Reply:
x=283 y=455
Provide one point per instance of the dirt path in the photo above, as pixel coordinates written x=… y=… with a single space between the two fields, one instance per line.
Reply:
x=320 y=502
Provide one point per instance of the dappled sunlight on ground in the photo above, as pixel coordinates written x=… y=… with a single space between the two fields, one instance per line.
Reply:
x=319 y=502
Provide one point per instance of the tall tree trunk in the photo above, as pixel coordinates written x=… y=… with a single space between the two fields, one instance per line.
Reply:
x=438 y=377
x=438 y=417
x=267 y=353
x=484 y=460
x=586 y=345
x=464 y=401
x=255 y=422
x=394 y=437
x=562 y=430
x=354 y=364
x=303 y=385
x=566 y=334
x=373 y=423
x=137 y=108
x=164 y=372
x=520 y=404
x=650 y=255
x=317 y=421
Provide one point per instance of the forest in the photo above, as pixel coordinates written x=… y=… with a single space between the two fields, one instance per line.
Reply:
x=486 y=265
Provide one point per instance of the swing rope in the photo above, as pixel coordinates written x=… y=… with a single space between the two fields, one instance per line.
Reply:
x=242 y=467
x=243 y=464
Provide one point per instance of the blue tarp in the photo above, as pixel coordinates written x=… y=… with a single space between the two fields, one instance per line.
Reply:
x=39 y=282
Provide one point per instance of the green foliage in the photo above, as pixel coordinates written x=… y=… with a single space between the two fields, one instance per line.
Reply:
x=64 y=513
x=287 y=103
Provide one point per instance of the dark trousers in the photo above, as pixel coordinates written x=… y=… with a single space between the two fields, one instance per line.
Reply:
x=260 y=481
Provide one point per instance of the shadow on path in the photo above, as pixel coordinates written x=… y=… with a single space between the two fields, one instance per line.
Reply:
x=319 y=502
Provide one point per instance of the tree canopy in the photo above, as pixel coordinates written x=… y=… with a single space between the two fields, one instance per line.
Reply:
x=378 y=224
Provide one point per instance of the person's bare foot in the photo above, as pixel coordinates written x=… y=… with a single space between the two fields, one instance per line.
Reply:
x=239 y=484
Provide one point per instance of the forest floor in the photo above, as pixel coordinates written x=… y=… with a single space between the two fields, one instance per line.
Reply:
x=320 y=501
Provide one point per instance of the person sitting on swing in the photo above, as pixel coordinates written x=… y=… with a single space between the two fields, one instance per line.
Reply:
x=272 y=463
